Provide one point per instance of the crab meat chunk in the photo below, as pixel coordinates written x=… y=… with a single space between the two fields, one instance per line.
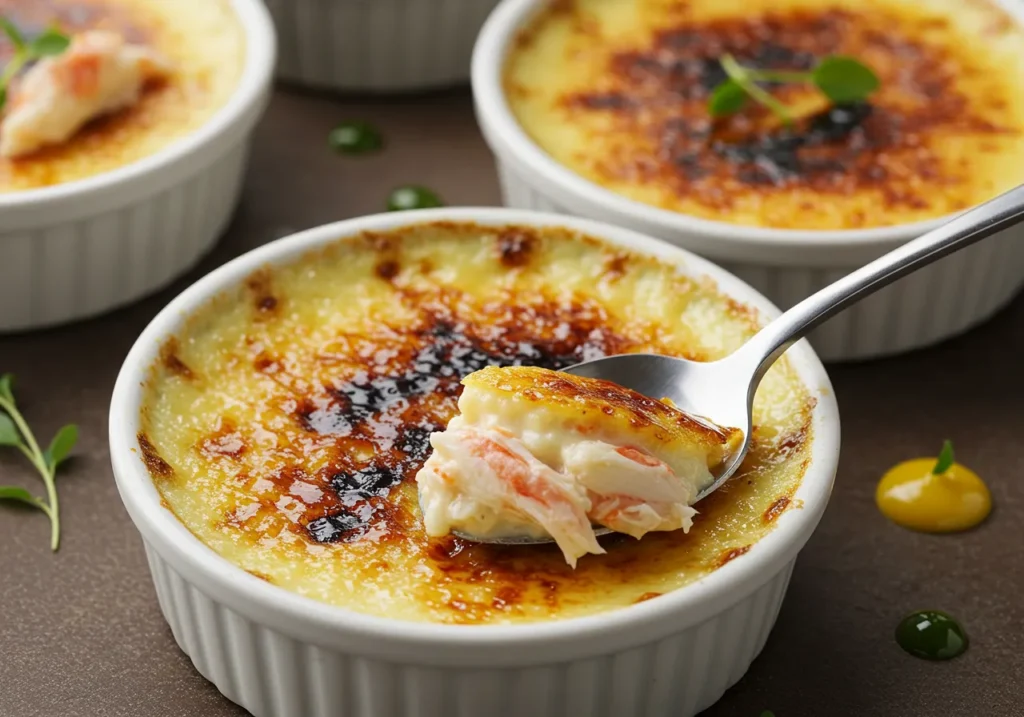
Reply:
x=97 y=75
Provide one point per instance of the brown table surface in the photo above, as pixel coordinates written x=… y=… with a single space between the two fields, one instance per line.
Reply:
x=81 y=633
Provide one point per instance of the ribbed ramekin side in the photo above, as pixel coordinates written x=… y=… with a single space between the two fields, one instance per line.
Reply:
x=72 y=270
x=273 y=675
x=383 y=45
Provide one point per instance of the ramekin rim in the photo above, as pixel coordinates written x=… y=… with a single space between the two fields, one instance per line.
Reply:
x=257 y=73
x=717 y=590
x=510 y=141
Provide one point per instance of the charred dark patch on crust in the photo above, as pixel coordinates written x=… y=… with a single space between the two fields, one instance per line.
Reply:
x=732 y=554
x=615 y=267
x=156 y=465
x=173 y=363
x=387 y=269
x=517 y=246
x=776 y=509
x=260 y=287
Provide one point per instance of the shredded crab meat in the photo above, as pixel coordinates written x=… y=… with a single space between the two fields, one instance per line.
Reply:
x=508 y=485
x=97 y=75
x=485 y=482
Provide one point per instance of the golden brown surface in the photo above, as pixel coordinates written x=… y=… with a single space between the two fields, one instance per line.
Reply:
x=617 y=91
x=203 y=40
x=595 y=406
x=286 y=422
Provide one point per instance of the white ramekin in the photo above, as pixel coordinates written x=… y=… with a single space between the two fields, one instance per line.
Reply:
x=82 y=248
x=935 y=303
x=377 y=45
x=282 y=655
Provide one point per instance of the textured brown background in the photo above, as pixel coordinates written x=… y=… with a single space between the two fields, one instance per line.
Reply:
x=81 y=633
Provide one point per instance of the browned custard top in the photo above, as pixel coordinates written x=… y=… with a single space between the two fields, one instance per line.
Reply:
x=285 y=424
x=619 y=92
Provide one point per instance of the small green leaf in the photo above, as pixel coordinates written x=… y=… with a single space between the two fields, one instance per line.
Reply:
x=13 y=33
x=727 y=99
x=946 y=459
x=3 y=97
x=13 y=492
x=9 y=435
x=52 y=42
x=61 y=445
x=844 y=79
x=767 y=713
x=7 y=387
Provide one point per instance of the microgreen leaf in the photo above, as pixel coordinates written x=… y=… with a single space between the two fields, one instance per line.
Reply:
x=15 y=432
x=946 y=459
x=747 y=80
x=51 y=42
x=61 y=445
x=13 y=492
x=9 y=435
x=13 y=34
x=728 y=98
x=767 y=713
x=844 y=79
x=7 y=387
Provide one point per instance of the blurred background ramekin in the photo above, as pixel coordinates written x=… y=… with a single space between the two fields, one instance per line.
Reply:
x=377 y=45
x=82 y=248
x=933 y=304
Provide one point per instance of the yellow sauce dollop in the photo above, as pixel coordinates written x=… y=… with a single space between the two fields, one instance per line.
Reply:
x=913 y=496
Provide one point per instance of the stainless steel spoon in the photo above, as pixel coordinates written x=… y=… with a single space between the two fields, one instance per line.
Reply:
x=723 y=391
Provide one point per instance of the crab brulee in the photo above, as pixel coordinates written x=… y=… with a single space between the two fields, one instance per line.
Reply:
x=287 y=420
x=620 y=92
x=98 y=84
x=540 y=453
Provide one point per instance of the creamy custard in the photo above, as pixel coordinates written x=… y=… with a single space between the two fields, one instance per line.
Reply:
x=285 y=424
x=617 y=91
x=203 y=42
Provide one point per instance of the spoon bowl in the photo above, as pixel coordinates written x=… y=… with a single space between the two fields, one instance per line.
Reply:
x=722 y=391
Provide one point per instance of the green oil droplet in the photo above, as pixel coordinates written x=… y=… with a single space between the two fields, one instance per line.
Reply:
x=413 y=197
x=931 y=635
x=355 y=138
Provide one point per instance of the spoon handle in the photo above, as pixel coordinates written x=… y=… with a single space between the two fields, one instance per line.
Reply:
x=967 y=228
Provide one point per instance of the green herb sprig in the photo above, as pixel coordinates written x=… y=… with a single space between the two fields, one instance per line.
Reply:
x=14 y=432
x=50 y=43
x=842 y=79
x=946 y=459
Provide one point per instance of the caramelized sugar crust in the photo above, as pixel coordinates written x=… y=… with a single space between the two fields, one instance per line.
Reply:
x=202 y=38
x=627 y=106
x=285 y=424
x=594 y=406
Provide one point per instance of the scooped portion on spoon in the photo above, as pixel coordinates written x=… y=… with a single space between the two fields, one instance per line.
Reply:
x=540 y=453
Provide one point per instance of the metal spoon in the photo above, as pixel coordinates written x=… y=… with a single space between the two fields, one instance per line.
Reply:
x=723 y=391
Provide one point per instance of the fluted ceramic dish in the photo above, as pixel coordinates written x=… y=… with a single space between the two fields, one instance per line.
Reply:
x=936 y=303
x=81 y=248
x=282 y=655
x=377 y=45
